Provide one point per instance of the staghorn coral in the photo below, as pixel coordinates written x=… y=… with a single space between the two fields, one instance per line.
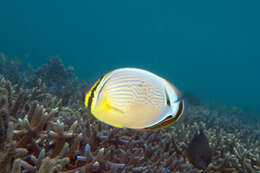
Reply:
x=40 y=134
x=53 y=77
x=59 y=81
x=60 y=138
x=11 y=68
x=3 y=127
x=3 y=117
x=54 y=74
x=223 y=141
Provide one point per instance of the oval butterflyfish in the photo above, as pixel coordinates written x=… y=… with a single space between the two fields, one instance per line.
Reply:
x=134 y=98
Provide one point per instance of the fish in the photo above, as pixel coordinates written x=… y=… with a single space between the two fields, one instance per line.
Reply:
x=199 y=151
x=134 y=98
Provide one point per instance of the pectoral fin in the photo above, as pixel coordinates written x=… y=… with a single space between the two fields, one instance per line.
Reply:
x=108 y=107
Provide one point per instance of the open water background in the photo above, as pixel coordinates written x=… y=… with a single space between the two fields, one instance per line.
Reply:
x=210 y=48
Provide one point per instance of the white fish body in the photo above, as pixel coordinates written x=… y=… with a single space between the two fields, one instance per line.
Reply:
x=134 y=98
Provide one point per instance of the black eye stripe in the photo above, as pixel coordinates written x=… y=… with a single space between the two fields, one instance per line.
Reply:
x=103 y=85
x=90 y=100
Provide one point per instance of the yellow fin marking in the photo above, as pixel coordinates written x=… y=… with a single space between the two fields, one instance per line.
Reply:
x=106 y=105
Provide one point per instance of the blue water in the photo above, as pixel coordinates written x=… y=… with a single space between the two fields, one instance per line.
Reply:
x=211 y=48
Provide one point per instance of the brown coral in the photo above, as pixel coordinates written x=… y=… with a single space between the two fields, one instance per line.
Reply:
x=38 y=132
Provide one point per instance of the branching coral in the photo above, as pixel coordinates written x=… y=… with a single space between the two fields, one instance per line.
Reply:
x=61 y=139
x=53 y=77
x=59 y=80
x=11 y=68
x=41 y=131
x=3 y=117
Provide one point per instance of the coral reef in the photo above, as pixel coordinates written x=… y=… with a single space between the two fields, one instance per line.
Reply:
x=57 y=79
x=53 y=77
x=11 y=69
x=62 y=139
x=39 y=132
